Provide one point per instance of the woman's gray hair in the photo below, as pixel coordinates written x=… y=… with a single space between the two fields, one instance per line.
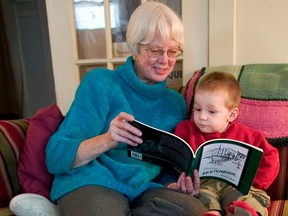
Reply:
x=150 y=17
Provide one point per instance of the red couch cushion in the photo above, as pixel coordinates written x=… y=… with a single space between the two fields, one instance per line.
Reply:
x=32 y=171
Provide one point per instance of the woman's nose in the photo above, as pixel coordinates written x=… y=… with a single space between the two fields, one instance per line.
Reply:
x=164 y=57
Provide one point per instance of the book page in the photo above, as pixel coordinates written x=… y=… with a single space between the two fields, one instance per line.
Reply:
x=224 y=161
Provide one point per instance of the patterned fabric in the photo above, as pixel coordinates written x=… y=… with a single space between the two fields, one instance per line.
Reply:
x=5 y=212
x=279 y=188
x=12 y=137
x=278 y=208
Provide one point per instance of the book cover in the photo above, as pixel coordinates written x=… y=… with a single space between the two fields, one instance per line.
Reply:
x=231 y=161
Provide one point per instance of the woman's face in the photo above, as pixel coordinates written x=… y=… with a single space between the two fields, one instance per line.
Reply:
x=152 y=69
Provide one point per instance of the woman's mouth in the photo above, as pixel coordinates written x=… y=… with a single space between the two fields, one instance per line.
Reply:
x=160 y=71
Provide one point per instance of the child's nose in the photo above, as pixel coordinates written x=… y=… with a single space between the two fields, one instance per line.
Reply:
x=203 y=116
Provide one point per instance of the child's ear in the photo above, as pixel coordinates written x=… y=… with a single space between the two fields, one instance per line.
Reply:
x=233 y=114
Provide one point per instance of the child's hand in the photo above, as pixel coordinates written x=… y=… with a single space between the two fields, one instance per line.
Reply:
x=186 y=184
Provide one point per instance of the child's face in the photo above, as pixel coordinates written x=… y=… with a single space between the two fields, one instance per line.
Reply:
x=210 y=112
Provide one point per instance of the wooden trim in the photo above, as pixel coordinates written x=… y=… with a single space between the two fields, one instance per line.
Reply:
x=63 y=51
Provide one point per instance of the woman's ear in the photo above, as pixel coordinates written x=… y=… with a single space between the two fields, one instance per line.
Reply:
x=233 y=114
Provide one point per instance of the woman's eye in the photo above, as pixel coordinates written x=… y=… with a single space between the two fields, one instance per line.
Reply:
x=155 y=51
x=172 y=51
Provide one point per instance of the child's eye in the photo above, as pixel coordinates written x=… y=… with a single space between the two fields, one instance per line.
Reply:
x=212 y=112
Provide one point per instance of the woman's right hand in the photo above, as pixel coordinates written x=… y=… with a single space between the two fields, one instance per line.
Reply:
x=121 y=131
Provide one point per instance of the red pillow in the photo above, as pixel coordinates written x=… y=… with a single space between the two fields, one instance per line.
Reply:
x=32 y=171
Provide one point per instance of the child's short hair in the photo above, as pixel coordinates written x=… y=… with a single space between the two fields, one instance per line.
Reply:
x=221 y=81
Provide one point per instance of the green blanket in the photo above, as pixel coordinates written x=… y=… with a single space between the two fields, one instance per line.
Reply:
x=259 y=81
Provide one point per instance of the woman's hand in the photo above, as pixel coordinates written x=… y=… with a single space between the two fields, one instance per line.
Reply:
x=121 y=131
x=186 y=184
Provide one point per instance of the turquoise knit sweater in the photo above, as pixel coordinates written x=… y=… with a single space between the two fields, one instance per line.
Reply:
x=101 y=96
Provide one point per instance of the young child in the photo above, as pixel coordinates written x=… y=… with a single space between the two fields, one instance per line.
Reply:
x=216 y=107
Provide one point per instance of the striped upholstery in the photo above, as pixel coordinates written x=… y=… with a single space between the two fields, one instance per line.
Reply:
x=278 y=190
x=5 y=212
x=12 y=138
x=278 y=208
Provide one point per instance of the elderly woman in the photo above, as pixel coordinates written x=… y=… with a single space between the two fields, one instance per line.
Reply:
x=88 y=154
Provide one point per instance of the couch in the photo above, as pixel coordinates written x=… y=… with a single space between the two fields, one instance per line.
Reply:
x=22 y=141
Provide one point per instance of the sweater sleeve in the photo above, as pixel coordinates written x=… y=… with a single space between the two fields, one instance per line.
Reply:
x=84 y=120
x=269 y=165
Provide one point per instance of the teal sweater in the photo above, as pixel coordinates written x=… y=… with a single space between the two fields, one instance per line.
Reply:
x=102 y=95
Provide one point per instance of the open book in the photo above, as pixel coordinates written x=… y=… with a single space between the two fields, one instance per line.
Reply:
x=231 y=161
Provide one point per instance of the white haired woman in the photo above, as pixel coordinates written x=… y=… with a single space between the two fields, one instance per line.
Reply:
x=88 y=154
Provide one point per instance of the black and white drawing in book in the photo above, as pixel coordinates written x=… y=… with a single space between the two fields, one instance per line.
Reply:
x=231 y=161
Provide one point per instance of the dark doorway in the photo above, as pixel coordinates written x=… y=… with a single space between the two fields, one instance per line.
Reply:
x=26 y=76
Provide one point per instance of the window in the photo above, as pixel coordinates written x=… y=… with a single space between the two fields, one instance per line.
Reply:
x=101 y=34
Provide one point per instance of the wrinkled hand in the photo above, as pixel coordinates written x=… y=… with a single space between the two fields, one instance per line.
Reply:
x=186 y=184
x=121 y=131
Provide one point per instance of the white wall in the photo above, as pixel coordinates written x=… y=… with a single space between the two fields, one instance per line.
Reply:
x=195 y=19
x=262 y=31
x=245 y=31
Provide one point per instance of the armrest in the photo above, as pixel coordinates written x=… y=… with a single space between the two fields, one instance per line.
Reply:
x=12 y=139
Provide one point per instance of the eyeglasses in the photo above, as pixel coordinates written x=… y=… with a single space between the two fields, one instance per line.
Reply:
x=158 y=52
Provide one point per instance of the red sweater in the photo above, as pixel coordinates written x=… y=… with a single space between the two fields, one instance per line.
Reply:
x=269 y=165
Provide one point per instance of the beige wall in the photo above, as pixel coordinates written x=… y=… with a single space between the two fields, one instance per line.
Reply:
x=245 y=31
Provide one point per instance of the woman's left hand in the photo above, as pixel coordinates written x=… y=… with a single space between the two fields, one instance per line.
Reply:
x=186 y=184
